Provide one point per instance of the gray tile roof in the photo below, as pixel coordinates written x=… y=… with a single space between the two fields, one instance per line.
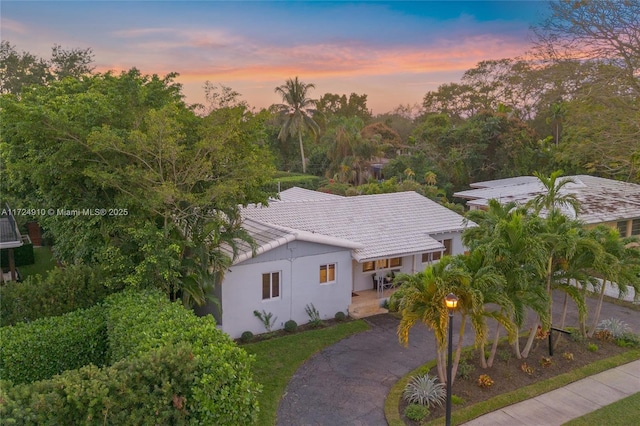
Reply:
x=301 y=194
x=602 y=200
x=383 y=225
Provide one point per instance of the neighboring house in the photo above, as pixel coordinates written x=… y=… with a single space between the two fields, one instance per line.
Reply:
x=322 y=249
x=10 y=239
x=603 y=201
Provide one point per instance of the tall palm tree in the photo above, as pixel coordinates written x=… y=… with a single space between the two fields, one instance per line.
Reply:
x=620 y=268
x=297 y=111
x=515 y=250
x=553 y=198
x=421 y=299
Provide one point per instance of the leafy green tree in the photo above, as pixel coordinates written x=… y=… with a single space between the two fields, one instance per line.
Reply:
x=128 y=144
x=297 y=113
x=19 y=70
x=333 y=105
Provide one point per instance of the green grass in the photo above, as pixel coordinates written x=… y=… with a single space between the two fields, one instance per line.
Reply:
x=277 y=359
x=622 y=413
x=469 y=413
x=44 y=262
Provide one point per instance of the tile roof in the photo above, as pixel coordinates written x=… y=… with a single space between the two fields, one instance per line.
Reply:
x=301 y=194
x=382 y=225
x=267 y=236
x=602 y=200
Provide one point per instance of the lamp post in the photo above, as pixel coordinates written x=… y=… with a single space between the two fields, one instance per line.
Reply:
x=451 y=302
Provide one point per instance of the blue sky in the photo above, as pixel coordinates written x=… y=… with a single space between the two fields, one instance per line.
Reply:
x=392 y=51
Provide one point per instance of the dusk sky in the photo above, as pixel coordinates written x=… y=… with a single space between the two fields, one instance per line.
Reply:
x=393 y=51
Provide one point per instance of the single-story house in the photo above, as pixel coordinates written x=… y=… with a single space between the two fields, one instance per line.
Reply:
x=324 y=249
x=602 y=201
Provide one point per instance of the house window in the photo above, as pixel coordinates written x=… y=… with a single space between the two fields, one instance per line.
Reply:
x=622 y=228
x=395 y=262
x=635 y=227
x=368 y=266
x=447 y=247
x=270 y=285
x=382 y=264
x=327 y=273
x=430 y=257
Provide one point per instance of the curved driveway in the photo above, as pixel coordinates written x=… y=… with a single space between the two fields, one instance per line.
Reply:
x=347 y=383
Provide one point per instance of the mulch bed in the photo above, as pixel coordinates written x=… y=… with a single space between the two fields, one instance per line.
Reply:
x=507 y=371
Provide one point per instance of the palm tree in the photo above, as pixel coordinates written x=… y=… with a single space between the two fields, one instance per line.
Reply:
x=297 y=111
x=620 y=267
x=553 y=197
x=514 y=249
x=421 y=299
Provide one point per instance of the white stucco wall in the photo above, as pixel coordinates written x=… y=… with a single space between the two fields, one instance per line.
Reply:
x=299 y=266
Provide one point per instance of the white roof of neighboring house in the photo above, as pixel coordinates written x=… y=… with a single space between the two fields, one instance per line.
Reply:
x=602 y=200
x=378 y=226
x=301 y=194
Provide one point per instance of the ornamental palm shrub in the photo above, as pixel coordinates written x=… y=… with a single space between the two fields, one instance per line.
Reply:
x=424 y=390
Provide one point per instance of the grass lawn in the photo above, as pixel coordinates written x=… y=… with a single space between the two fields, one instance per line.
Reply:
x=44 y=262
x=622 y=413
x=277 y=359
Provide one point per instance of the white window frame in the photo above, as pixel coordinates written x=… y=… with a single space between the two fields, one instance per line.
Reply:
x=271 y=296
x=327 y=266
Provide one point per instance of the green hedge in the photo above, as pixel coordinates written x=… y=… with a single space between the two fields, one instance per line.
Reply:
x=154 y=388
x=289 y=180
x=128 y=328
x=62 y=290
x=22 y=255
x=224 y=392
x=48 y=346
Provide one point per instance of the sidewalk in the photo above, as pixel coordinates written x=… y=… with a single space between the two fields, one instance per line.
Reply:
x=571 y=401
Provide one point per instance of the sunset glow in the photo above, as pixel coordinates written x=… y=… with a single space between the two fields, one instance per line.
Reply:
x=394 y=52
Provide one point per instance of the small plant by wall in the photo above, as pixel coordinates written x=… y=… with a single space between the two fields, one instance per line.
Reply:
x=266 y=318
x=314 y=315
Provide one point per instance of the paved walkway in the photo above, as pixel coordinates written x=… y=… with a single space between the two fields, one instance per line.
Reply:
x=574 y=400
x=347 y=383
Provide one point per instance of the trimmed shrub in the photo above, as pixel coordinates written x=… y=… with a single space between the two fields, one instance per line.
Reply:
x=223 y=392
x=154 y=388
x=247 y=336
x=340 y=316
x=48 y=346
x=290 y=326
x=289 y=180
x=416 y=412
x=63 y=290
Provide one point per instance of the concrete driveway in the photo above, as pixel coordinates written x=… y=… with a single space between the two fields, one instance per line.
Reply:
x=347 y=383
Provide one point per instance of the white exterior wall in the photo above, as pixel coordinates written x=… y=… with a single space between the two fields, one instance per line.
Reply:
x=299 y=267
x=410 y=264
